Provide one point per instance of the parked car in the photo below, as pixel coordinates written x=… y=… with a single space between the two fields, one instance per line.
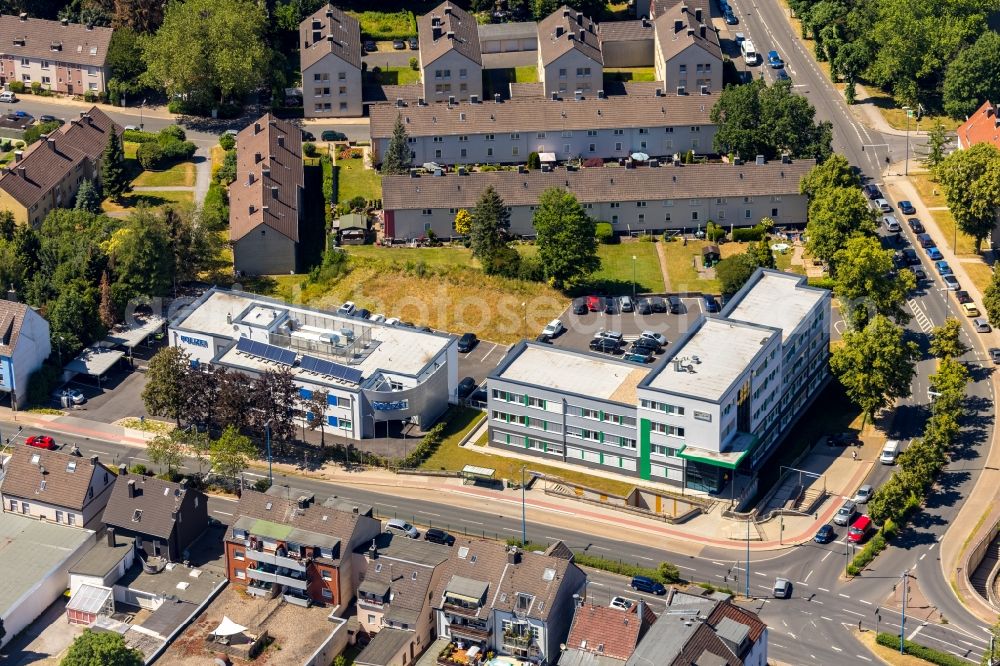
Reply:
x=889 y=452
x=782 y=75
x=605 y=345
x=970 y=309
x=782 y=588
x=659 y=305
x=911 y=257
x=400 y=526
x=595 y=303
x=553 y=328
x=622 y=603
x=580 y=306
x=644 y=346
x=951 y=283
x=711 y=305
x=370 y=46
x=774 y=60
x=883 y=205
x=962 y=296
x=845 y=513
x=899 y=260
x=730 y=17
x=916 y=226
x=467 y=342
x=919 y=274
x=994 y=355
x=362 y=313
x=74 y=396
x=398 y=44
x=434 y=535
x=609 y=306
x=981 y=325
x=392 y=321
x=331 y=135
x=7 y=97
x=858 y=532
x=347 y=309
x=626 y=304
x=644 y=306
x=659 y=338
x=465 y=387
x=943 y=268
x=414 y=44
x=639 y=356
x=41 y=442
x=543 y=338
x=872 y=192
x=308 y=136
x=891 y=224
x=906 y=208
x=864 y=494
x=611 y=335
x=377 y=318
x=675 y=305
x=45 y=118
x=925 y=240
x=825 y=534
x=934 y=254
x=645 y=584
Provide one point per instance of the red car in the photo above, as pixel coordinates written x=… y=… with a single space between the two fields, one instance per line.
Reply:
x=595 y=303
x=41 y=442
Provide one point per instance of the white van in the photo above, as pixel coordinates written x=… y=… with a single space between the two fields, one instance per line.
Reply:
x=889 y=452
x=7 y=96
x=749 y=52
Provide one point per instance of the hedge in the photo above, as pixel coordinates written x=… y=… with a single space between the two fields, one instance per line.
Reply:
x=329 y=187
x=920 y=651
x=874 y=546
x=745 y=234
x=666 y=573
x=605 y=233
x=138 y=136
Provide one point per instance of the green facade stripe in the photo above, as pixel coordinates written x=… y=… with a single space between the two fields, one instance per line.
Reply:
x=644 y=448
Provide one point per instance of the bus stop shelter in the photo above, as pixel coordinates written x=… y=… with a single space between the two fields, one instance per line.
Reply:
x=472 y=475
x=95 y=361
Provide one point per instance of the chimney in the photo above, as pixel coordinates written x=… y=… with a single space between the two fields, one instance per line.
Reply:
x=303 y=502
x=281 y=139
x=372 y=551
x=111 y=537
x=23 y=16
x=583 y=35
x=690 y=32
x=12 y=294
x=684 y=8
x=64 y=21
x=496 y=98
x=761 y=160
x=577 y=601
x=18 y=155
x=579 y=18
x=701 y=29
x=697 y=14
x=22 y=172
x=513 y=555
x=50 y=142
x=131 y=488
x=256 y=128
x=678 y=25
x=122 y=470
x=93 y=460
x=174 y=515
x=473 y=99
x=251 y=208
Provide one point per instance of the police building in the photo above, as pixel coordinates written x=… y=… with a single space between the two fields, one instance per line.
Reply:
x=374 y=375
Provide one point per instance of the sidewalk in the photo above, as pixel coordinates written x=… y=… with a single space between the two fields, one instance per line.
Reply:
x=147 y=111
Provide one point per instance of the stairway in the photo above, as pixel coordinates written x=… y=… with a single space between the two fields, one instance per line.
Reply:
x=808 y=499
x=980 y=578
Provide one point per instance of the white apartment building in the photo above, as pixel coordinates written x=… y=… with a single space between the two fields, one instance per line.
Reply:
x=569 y=54
x=330 y=53
x=451 y=61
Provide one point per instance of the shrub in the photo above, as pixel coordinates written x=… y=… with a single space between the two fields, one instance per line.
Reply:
x=176 y=106
x=714 y=232
x=90 y=96
x=173 y=131
x=647 y=238
x=605 y=233
x=309 y=149
x=17 y=87
x=138 y=136
x=139 y=469
x=215 y=210
x=35 y=132
x=920 y=651
x=359 y=203
x=506 y=261
x=666 y=573
x=414 y=64
x=534 y=160
x=427 y=446
x=227 y=172
x=175 y=150
x=745 y=234
x=531 y=269
x=36 y=87
x=227 y=141
x=261 y=485
x=150 y=155
x=349 y=153
x=592 y=162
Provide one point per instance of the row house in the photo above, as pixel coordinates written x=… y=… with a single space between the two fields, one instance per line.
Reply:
x=687 y=52
x=55 y=486
x=330 y=60
x=569 y=54
x=61 y=56
x=451 y=59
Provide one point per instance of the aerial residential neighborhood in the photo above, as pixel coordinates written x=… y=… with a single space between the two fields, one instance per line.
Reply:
x=499 y=333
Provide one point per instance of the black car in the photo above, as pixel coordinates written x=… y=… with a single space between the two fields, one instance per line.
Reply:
x=644 y=306
x=645 y=346
x=826 y=534
x=331 y=135
x=962 y=296
x=580 y=306
x=544 y=338
x=912 y=259
x=899 y=260
x=872 y=192
x=467 y=342
x=434 y=535
x=658 y=304
x=925 y=240
x=425 y=329
x=465 y=387
x=50 y=119
x=609 y=306
x=414 y=44
x=606 y=345
x=308 y=136
x=906 y=208
x=479 y=395
x=370 y=46
x=362 y=313
x=675 y=305
x=919 y=274
x=915 y=225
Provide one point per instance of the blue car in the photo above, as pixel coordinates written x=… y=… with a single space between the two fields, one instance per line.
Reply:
x=774 y=60
x=825 y=534
x=711 y=305
x=934 y=254
x=644 y=584
x=943 y=268
x=730 y=17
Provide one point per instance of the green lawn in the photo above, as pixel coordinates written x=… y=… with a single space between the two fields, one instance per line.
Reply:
x=387 y=25
x=615 y=276
x=630 y=74
x=681 y=271
x=499 y=80
x=129 y=148
x=430 y=256
x=133 y=199
x=395 y=76
x=181 y=174
x=355 y=180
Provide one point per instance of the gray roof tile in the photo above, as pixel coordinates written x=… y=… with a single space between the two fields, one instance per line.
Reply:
x=338 y=33
x=156 y=499
x=566 y=30
x=434 y=27
x=38 y=38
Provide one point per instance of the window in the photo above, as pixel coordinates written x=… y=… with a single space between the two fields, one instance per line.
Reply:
x=746 y=213
x=345 y=424
x=643 y=130
x=72 y=518
x=567 y=134
x=515 y=136
x=774 y=212
x=489 y=152
x=524 y=601
x=660 y=450
x=583 y=71
x=326 y=575
x=619 y=132
x=591 y=148
x=463 y=73
x=540 y=135
x=489 y=137
x=694 y=215
x=46 y=80
x=327 y=594
x=25 y=62
x=239 y=555
x=59 y=516
x=618 y=146
x=702 y=416
x=343 y=106
x=640 y=204
x=662 y=407
x=25 y=507
x=515 y=151
x=371 y=619
x=341 y=76
x=464 y=152
x=240 y=574
x=438 y=139
x=562 y=73
x=591 y=132
x=437 y=153
x=664 y=429
x=683 y=69
x=342 y=90
x=427 y=211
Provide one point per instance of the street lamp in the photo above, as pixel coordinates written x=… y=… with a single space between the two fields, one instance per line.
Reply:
x=633 y=277
x=524 y=524
x=524 y=325
x=267 y=434
x=902 y=623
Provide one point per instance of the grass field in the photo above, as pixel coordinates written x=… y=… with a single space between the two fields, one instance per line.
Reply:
x=896 y=116
x=431 y=256
x=680 y=266
x=930 y=191
x=387 y=25
x=133 y=199
x=181 y=174
x=450 y=456
x=395 y=76
x=980 y=273
x=615 y=275
x=630 y=74
x=355 y=180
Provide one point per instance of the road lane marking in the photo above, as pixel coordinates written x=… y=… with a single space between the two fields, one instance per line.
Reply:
x=807 y=576
x=679 y=566
x=718 y=564
x=798 y=582
x=822 y=589
x=428 y=513
x=865 y=602
x=843 y=595
x=643 y=557
x=779 y=646
x=510 y=529
x=923 y=556
x=913 y=634
x=861 y=656
x=487 y=354
x=923 y=321
x=594 y=582
x=760 y=573
x=836 y=648
x=103 y=453
x=600 y=548
x=816 y=601
x=474 y=522
x=824 y=617
x=828 y=553
x=844 y=610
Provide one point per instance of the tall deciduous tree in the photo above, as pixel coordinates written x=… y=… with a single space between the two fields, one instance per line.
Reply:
x=142 y=16
x=761 y=254
x=103 y=648
x=114 y=178
x=396 y=160
x=231 y=453
x=490 y=222
x=971 y=180
x=991 y=299
x=166 y=450
x=875 y=365
x=316 y=413
x=733 y=272
x=566 y=239
x=274 y=395
x=937 y=139
x=209 y=50
x=866 y=284
x=973 y=77
x=165 y=391
x=833 y=173
x=106 y=308
x=946 y=340
x=836 y=214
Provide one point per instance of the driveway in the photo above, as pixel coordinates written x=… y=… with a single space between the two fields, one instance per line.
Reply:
x=45 y=638
x=119 y=397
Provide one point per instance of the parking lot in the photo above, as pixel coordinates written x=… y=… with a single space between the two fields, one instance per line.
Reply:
x=480 y=361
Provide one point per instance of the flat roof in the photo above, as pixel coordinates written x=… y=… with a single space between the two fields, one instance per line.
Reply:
x=95 y=360
x=572 y=371
x=515 y=30
x=723 y=349
x=384 y=647
x=102 y=558
x=780 y=300
x=30 y=549
x=185 y=583
x=132 y=335
x=210 y=315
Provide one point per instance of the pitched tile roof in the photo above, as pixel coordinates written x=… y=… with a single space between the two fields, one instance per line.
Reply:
x=52 y=477
x=983 y=126
x=527 y=115
x=608 y=631
x=626 y=31
x=434 y=29
x=53 y=40
x=729 y=610
x=403 y=568
x=597 y=185
x=566 y=30
x=268 y=178
x=152 y=510
x=12 y=316
x=673 y=41
x=47 y=162
x=330 y=30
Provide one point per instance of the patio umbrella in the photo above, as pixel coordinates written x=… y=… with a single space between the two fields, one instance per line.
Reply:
x=640 y=157
x=228 y=628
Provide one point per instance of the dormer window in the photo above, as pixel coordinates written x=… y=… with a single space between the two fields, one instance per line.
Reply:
x=524 y=601
x=137 y=515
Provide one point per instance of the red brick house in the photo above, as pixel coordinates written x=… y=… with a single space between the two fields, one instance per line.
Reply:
x=983 y=126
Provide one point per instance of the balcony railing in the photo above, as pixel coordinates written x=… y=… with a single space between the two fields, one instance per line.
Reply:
x=272 y=577
x=477 y=633
x=276 y=560
x=460 y=610
x=372 y=603
x=518 y=640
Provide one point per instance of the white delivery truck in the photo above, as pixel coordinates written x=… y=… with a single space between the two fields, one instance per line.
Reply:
x=749 y=52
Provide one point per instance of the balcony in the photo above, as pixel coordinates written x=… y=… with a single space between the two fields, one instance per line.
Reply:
x=369 y=602
x=265 y=575
x=455 y=609
x=476 y=633
x=275 y=560
x=518 y=641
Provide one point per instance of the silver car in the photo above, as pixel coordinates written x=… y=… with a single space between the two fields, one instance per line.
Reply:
x=845 y=513
x=864 y=494
x=782 y=588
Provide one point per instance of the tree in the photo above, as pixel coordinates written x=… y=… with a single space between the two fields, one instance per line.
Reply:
x=35 y=132
x=101 y=649
x=396 y=160
x=989 y=657
x=88 y=197
x=114 y=178
x=142 y=257
x=165 y=390
x=316 y=414
x=761 y=254
x=125 y=61
x=937 y=139
x=209 y=50
x=991 y=299
x=463 y=222
x=232 y=402
x=949 y=383
x=946 y=340
x=566 y=240
x=106 y=309
x=972 y=77
x=733 y=272
x=971 y=180
x=273 y=400
x=875 y=364
x=167 y=451
x=866 y=284
x=73 y=317
x=231 y=453
x=490 y=221
x=836 y=214
x=833 y=173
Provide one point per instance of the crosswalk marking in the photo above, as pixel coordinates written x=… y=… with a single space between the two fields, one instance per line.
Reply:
x=923 y=321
